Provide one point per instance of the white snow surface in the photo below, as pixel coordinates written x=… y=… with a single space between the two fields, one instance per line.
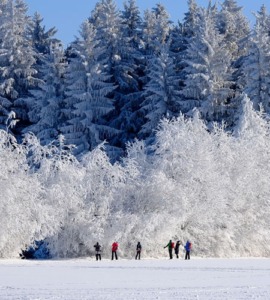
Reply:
x=131 y=279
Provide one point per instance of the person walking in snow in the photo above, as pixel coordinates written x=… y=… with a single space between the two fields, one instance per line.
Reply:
x=176 y=249
x=188 y=247
x=98 y=251
x=114 y=250
x=138 y=249
x=170 y=248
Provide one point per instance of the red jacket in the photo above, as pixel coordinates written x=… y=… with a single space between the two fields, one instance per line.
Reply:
x=114 y=246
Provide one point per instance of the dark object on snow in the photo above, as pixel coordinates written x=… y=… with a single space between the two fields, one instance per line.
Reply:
x=39 y=250
x=138 y=249
x=98 y=251
x=176 y=249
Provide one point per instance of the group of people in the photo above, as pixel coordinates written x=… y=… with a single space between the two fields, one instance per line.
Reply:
x=97 y=247
x=171 y=246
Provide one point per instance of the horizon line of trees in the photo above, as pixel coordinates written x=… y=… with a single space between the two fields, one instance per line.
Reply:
x=125 y=72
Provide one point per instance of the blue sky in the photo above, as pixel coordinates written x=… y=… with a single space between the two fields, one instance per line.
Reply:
x=67 y=15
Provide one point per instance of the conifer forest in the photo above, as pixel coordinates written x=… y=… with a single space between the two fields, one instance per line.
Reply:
x=141 y=129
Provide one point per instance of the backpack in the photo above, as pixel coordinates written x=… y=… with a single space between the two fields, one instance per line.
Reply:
x=114 y=247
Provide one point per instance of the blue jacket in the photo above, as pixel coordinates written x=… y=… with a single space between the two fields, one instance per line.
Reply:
x=188 y=246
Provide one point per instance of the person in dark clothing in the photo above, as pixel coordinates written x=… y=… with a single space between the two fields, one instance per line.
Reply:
x=176 y=249
x=98 y=251
x=188 y=247
x=170 y=248
x=138 y=249
x=114 y=250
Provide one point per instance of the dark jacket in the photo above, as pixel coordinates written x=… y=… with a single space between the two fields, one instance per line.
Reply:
x=139 y=247
x=97 y=247
x=177 y=245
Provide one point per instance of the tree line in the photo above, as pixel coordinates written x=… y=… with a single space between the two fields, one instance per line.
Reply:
x=126 y=71
x=211 y=187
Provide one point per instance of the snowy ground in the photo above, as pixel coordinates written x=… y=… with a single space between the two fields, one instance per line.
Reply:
x=130 y=279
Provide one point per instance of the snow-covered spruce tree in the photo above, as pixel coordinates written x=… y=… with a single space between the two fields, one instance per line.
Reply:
x=189 y=24
x=128 y=94
x=235 y=30
x=256 y=66
x=185 y=31
x=207 y=77
x=114 y=56
x=42 y=39
x=155 y=33
x=122 y=56
x=181 y=35
x=17 y=59
x=156 y=29
x=87 y=89
x=160 y=94
x=177 y=46
x=46 y=101
x=234 y=27
x=5 y=103
x=132 y=22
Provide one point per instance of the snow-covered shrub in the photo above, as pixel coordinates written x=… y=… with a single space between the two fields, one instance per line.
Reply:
x=23 y=209
x=85 y=196
x=211 y=187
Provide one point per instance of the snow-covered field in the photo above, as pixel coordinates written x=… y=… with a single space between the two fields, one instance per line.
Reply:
x=130 y=279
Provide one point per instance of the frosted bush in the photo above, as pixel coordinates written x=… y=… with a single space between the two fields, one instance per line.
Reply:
x=211 y=187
